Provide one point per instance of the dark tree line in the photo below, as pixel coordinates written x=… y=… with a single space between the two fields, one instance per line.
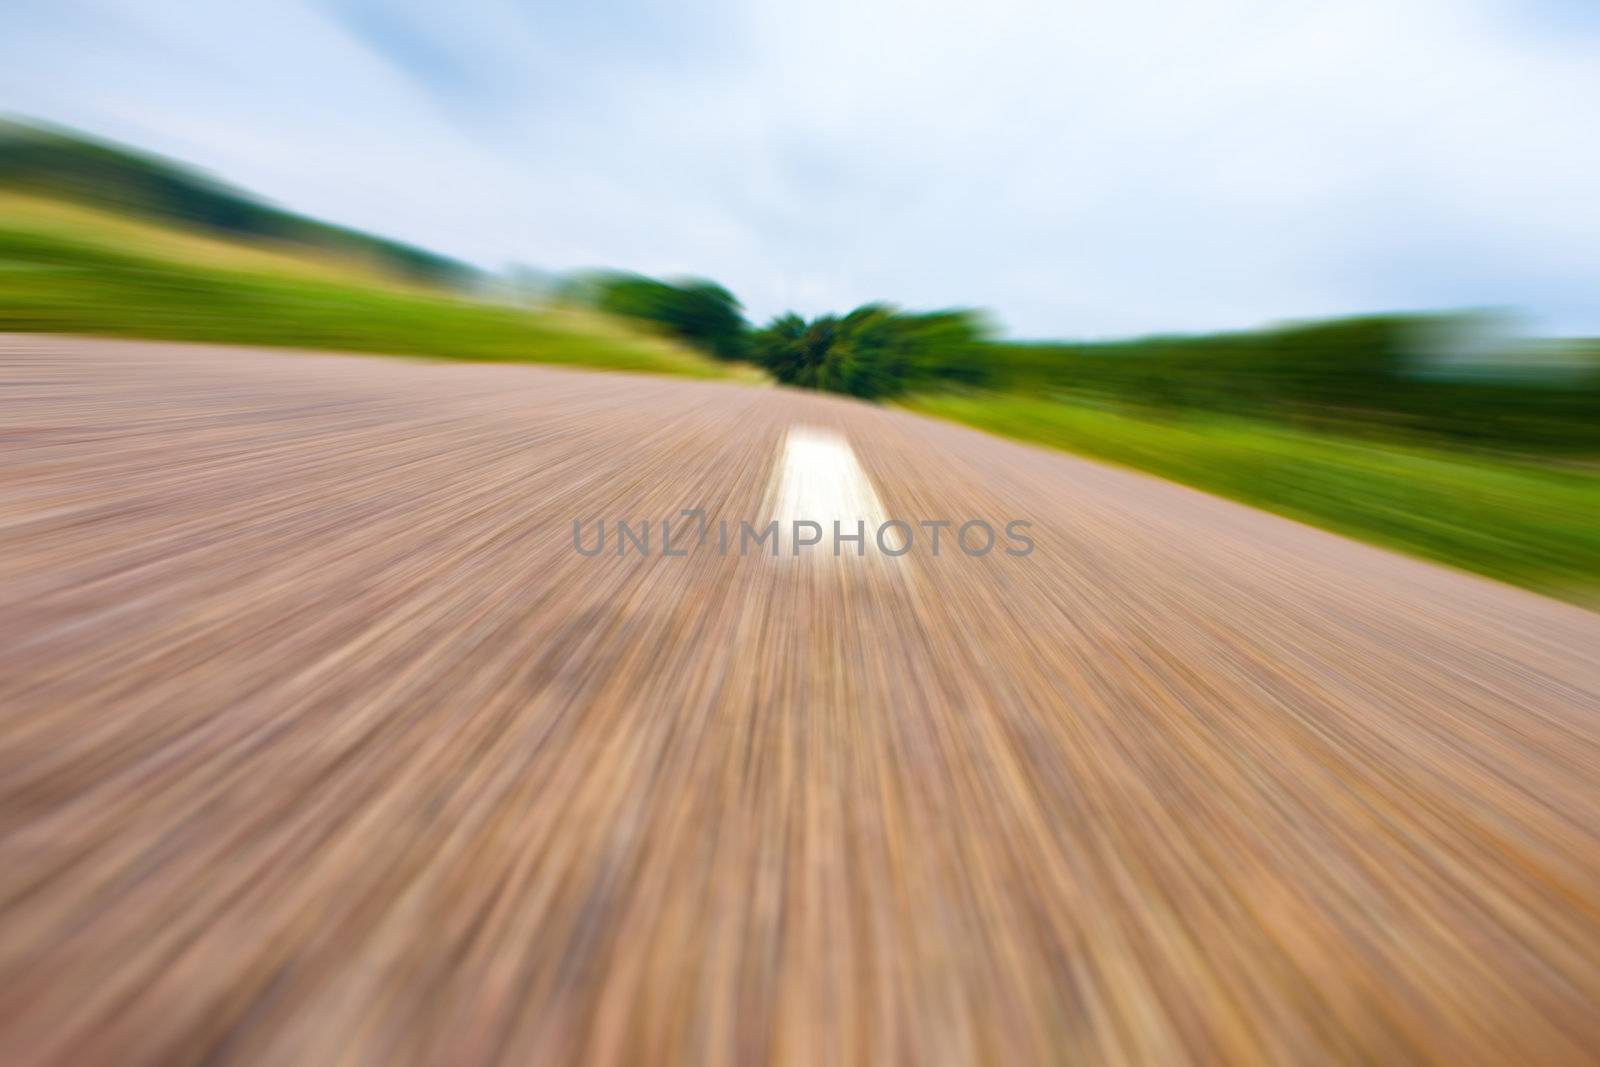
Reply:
x=1370 y=371
x=874 y=351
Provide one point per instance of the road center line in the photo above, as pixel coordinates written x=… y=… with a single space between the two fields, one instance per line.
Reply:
x=819 y=479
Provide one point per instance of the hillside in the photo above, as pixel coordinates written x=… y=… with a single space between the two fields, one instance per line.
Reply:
x=69 y=268
x=59 y=164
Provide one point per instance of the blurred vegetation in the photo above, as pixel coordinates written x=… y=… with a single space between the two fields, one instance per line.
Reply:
x=1530 y=523
x=71 y=269
x=1440 y=435
x=695 y=311
x=1409 y=375
x=65 y=165
x=1393 y=376
x=875 y=351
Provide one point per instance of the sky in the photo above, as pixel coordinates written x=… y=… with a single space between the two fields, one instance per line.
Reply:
x=1080 y=169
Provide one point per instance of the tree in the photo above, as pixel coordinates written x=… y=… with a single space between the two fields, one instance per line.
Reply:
x=874 y=351
x=698 y=312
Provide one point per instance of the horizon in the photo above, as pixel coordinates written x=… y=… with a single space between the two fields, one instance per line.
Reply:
x=1441 y=163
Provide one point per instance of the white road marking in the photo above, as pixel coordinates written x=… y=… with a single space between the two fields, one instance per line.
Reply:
x=819 y=480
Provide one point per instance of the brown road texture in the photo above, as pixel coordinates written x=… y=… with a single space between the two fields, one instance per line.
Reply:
x=320 y=744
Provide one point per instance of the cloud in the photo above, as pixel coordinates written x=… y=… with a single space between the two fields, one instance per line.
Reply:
x=1083 y=169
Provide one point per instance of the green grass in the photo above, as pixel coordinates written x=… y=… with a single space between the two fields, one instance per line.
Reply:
x=68 y=269
x=1530 y=524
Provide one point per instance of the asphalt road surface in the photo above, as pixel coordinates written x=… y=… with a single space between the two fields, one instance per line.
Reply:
x=321 y=744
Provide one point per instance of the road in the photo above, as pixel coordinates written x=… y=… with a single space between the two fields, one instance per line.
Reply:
x=320 y=744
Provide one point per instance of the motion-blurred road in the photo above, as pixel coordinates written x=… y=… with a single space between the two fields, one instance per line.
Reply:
x=320 y=744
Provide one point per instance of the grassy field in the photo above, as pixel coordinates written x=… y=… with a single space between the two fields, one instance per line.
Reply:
x=1533 y=525
x=71 y=269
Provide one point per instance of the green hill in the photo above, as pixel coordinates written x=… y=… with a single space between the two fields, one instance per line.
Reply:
x=36 y=159
x=95 y=239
